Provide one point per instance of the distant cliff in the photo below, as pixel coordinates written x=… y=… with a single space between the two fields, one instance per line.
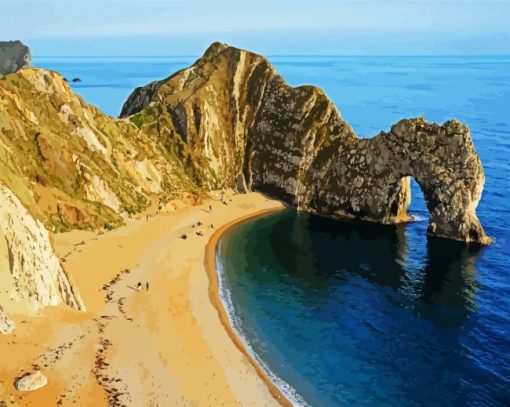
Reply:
x=14 y=55
x=235 y=122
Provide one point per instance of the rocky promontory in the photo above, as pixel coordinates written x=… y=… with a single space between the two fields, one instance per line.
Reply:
x=14 y=55
x=234 y=122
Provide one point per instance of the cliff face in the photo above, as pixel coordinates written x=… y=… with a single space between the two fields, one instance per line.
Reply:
x=234 y=122
x=31 y=275
x=71 y=165
x=14 y=55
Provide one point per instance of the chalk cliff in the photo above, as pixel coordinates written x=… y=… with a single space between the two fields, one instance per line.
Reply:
x=31 y=275
x=234 y=122
x=14 y=55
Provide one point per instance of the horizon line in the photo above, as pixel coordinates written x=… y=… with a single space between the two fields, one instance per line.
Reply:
x=282 y=55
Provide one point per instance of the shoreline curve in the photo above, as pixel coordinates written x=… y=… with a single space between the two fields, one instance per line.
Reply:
x=214 y=297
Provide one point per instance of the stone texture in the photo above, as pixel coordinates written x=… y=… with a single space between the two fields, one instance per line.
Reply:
x=14 y=55
x=230 y=113
x=31 y=382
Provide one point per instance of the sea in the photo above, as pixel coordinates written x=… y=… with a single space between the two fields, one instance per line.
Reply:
x=354 y=313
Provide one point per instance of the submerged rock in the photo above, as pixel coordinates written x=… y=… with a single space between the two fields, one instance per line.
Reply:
x=14 y=55
x=235 y=123
x=31 y=381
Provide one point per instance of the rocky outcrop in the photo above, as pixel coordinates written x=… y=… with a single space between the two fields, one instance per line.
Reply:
x=234 y=122
x=31 y=381
x=14 y=55
x=31 y=275
x=140 y=98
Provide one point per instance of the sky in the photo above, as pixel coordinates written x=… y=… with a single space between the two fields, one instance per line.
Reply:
x=277 y=27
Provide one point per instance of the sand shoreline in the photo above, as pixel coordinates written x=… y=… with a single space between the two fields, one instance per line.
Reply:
x=215 y=298
x=165 y=346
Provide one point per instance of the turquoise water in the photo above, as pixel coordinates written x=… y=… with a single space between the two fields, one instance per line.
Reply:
x=362 y=314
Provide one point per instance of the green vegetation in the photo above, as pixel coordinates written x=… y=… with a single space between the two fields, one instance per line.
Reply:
x=143 y=117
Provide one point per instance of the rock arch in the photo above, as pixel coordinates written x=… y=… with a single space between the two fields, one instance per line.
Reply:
x=441 y=159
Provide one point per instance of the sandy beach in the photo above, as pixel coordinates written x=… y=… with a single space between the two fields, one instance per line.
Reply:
x=170 y=344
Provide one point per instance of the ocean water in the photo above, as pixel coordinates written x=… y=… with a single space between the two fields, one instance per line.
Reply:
x=107 y=82
x=350 y=313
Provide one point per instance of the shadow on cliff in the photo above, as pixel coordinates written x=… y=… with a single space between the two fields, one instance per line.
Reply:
x=325 y=252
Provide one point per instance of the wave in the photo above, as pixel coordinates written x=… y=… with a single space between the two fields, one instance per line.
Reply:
x=419 y=218
x=290 y=393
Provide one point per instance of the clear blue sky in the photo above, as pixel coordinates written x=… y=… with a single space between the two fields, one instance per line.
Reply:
x=119 y=27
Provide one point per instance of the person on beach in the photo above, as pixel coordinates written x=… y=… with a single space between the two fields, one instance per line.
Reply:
x=147 y=285
x=210 y=208
x=139 y=286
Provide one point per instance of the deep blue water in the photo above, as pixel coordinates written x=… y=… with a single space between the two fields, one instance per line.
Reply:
x=363 y=314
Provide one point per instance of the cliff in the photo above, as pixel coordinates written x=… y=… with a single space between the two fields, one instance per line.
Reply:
x=71 y=165
x=14 y=55
x=234 y=122
x=31 y=275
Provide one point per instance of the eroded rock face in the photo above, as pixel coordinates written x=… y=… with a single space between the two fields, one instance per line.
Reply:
x=14 y=55
x=30 y=273
x=234 y=122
